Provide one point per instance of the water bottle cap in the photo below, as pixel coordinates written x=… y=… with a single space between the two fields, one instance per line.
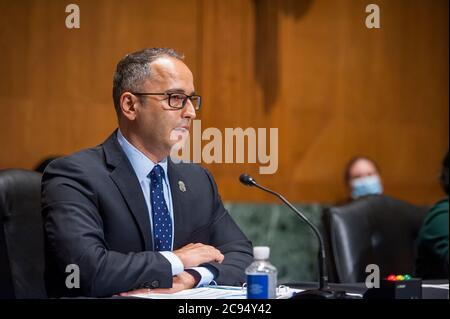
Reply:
x=261 y=252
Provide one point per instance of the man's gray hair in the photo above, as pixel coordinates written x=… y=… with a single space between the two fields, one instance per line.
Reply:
x=134 y=69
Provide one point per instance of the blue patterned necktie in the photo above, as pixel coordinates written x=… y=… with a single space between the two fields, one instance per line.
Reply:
x=162 y=223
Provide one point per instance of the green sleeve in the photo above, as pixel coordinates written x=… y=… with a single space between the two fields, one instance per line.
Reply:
x=434 y=233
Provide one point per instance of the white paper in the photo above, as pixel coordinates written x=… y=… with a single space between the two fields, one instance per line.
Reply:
x=215 y=292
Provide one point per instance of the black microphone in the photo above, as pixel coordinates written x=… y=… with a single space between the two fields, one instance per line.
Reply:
x=324 y=291
x=247 y=180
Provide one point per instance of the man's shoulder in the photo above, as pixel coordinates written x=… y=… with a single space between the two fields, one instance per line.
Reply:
x=91 y=154
x=86 y=160
x=89 y=158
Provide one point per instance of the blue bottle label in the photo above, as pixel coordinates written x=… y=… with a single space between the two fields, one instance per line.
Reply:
x=257 y=286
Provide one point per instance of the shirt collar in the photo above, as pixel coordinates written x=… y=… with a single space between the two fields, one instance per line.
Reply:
x=141 y=164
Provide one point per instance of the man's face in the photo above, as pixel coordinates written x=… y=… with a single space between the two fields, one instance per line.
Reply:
x=159 y=125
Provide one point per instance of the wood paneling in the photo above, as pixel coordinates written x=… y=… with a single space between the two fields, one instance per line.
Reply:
x=310 y=68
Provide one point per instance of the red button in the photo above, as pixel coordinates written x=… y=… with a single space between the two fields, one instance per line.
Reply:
x=392 y=278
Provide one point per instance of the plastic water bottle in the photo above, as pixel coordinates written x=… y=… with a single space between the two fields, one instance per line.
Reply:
x=261 y=275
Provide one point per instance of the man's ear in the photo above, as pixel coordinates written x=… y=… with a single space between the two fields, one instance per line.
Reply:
x=128 y=103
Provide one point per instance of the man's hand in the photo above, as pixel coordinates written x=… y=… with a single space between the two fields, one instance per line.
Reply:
x=193 y=255
x=182 y=281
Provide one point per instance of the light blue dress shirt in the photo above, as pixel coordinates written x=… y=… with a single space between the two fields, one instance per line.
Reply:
x=142 y=166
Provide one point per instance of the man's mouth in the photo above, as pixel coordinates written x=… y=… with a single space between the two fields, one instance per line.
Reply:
x=182 y=128
x=179 y=133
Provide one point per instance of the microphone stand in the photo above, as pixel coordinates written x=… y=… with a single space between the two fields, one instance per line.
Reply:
x=324 y=291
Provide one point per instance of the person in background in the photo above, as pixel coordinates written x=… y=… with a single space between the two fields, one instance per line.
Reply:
x=432 y=244
x=362 y=177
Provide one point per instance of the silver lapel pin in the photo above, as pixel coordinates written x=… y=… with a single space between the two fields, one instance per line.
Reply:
x=182 y=186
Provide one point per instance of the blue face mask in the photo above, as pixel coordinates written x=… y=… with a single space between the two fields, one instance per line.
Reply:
x=368 y=185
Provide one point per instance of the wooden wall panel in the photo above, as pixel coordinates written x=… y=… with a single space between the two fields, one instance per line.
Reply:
x=55 y=96
x=310 y=68
x=341 y=90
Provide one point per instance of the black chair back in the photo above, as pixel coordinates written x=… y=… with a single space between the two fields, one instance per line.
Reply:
x=21 y=235
x=375 y=229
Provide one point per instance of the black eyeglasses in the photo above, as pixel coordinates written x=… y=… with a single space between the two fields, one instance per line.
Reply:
x=177 y=100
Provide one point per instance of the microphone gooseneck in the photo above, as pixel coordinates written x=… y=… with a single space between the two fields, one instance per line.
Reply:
x=324 y=291
x=323 y=279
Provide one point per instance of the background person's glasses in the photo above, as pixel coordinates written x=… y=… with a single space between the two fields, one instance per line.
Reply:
x=177 y=100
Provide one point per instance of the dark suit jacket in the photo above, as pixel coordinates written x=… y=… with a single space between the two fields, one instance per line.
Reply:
x=95 y=216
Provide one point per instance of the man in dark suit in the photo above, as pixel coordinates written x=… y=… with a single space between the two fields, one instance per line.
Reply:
x=126 y=215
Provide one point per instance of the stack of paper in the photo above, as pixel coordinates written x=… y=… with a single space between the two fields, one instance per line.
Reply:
x=215 y=292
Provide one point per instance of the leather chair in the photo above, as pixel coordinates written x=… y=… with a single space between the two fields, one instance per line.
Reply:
x=375 y=229
x=21 y=235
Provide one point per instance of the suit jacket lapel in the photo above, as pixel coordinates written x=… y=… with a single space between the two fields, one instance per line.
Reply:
x=178 y=201
x=125 y=178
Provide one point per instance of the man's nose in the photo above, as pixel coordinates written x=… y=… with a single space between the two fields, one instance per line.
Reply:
x=189 y=110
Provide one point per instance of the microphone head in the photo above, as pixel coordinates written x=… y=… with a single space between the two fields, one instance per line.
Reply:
x=246 y=180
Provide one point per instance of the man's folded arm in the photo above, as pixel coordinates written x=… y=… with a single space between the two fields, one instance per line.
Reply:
x=226 y=236
x=237 y=252
x=203 y=276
